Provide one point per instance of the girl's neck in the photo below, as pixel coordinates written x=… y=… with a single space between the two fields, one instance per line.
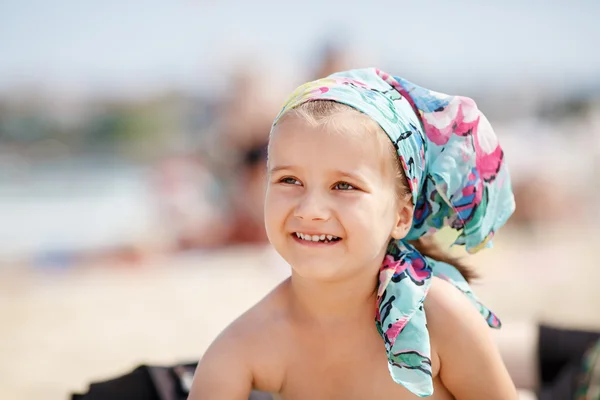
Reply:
x=334 y=301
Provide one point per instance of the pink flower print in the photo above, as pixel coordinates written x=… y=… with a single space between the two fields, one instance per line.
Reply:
x=489 y=165
x=385 y=276
x=318 y=91
x=489 y=153
x=347 y=81
x=394 y=329
x=460 y=118
x=415 y=268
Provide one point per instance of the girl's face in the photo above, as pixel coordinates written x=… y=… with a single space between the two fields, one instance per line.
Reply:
x=331 y=205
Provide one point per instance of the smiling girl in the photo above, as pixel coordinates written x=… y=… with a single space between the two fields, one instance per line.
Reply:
x=363 y=167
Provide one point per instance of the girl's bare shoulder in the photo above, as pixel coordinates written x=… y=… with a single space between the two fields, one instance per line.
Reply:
x=446 y=306
x=245 y=356
x=258 y=337
x=464 y=345
x=267 y=317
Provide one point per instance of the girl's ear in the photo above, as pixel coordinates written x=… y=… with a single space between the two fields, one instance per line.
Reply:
x=404 y=219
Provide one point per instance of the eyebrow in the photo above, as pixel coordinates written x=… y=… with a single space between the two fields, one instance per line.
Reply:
x=279 y=168
x=350 y=175
x=346 y=174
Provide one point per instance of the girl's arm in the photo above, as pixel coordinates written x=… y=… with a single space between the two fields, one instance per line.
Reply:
x=470 y=364
x=223 y=373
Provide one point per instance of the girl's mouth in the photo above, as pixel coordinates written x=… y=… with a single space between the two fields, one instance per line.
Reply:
x=315 y=239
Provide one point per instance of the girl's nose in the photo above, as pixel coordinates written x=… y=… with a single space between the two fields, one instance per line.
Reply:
x=312 y=207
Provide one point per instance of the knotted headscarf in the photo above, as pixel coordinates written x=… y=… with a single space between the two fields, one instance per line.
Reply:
x=455 y=169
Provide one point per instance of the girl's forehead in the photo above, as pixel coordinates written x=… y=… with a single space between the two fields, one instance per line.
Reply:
x=331 y=135
x=346 y=142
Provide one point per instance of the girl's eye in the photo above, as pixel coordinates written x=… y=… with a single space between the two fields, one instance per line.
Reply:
x=289 y=181
x=343 y=186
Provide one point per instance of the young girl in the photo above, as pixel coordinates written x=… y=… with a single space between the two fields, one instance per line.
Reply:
x=362 y=168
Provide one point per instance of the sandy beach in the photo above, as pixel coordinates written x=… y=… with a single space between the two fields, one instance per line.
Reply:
x=64 y=329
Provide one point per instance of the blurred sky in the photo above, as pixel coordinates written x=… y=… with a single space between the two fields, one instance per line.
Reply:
x=115 y=45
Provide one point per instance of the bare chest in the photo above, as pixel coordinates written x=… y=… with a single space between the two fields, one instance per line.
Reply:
x=348 y=367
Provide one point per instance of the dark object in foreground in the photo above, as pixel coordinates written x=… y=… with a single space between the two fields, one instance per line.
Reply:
x=568 y=364
x=150 y=383
x=563 y=355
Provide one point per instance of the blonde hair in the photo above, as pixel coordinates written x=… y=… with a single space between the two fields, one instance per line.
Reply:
x=324 y=113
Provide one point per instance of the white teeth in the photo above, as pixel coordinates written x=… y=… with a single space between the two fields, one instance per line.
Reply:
x=315 y=238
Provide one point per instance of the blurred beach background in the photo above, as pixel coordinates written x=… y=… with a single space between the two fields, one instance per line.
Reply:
x=132 y=145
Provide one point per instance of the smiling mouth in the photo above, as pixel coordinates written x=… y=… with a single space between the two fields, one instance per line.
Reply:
x=316 y=238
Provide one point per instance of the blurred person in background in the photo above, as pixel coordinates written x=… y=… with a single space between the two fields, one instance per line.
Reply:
x=188 y=196
x=238 y=158
x=218 y=201
x=331 y=58
x=247 y=198
x=213 y=197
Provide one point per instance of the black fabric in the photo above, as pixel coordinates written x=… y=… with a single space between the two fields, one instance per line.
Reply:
x=558 y=348
x=560 y=354
x=564 y=385
x=134 y=385
x=150 y=383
